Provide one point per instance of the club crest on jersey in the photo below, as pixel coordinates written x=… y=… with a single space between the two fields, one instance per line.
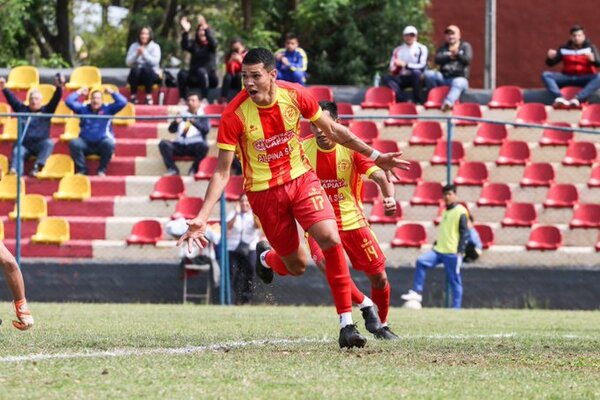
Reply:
x=343 y=165
x=291 y=115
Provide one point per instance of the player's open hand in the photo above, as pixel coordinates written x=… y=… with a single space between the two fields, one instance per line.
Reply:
x=196 y=234
x=389 y=161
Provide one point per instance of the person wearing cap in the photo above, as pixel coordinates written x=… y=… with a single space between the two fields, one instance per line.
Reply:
x=407 y=65
x=454 y=58
x=448 y=249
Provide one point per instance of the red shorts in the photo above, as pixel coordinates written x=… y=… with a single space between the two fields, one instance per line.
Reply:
x=362 y=248
x=278 y=208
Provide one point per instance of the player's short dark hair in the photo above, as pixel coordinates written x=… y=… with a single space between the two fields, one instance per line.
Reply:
x=331 y=107
x=291 y=36
x=260 y=55
x=576 y=28
x=449 y=188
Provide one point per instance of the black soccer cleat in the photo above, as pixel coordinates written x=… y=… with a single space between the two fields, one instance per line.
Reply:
x=265 y=274
x=372 y=321
x=350 y=337
x=385 y=333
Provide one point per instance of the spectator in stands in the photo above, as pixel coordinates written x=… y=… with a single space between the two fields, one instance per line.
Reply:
x=243 y=231
x=232 y=80
x=95 y=135
x=448 y=249
x=143 y=57
x=191 y=137
x=407 y=65
x=202 y=74
x=453 y=58
x=37 y=140
x=291 y=61
x=474 y=247
x=580 y=61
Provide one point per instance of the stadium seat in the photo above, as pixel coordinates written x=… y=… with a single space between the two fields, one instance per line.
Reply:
x=553 y=137
x=385 y=145
x=427 y=193
x=370 y=192
x=3 y=164
x=366 y=130
x=486 y=234
x=440 y=154
x=401 y=109
x=127 y=111
x=321 y=93
x=71 y=130
x=147 y=231
x=426 y=133
x=345 y=109
x=538 y=174
x=4 y=109
x=206 y=168
x=74 y=187
x=8 y=187
x=472 y=173
x=23 y=77
x=33 y=206
x=378 y=97
x=86 y=76
x=466 y=110
x=214 y=109
x=234 y=188
x=106 y=98
x=410 y=235
x=305 y=132
x=436 y=97
x=597 y=244
x=187 y=207
x=490 y=134
x=580 y=153
x=54 y=230
x=594 y=180
x=10 y=130
x=57 y=166
x=506 y=97
x=519 y=214
x=532 y=113
x=168 y=188
x=562 y=195
x=494 y=195
x=590 y=116
x=46 y=90
x=545 y=237
x=586 y=216
x=378 y=215
x=513 y=152
x=568 y=92
x=410 y=177
x=62 y=109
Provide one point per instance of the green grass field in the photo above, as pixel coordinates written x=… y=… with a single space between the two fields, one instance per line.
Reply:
x=173 y=351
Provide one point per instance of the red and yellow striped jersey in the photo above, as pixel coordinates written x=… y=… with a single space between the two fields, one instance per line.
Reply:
x=340 y=170
x=266 y=139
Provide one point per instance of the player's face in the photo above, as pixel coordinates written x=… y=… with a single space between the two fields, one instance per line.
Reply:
x=96 y=100
x=258 y=83
x=35 y=101
x=449 y=198
x=322 y=140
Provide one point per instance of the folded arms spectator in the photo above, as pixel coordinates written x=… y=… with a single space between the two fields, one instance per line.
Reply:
x=143 y=57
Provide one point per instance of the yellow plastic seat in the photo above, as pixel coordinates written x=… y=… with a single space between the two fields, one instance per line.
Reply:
x=52 y=230
x=10 y=131
x=1 y=230
x=74 y=187
x=71 y=130
x=23 y=77
x=57 y=166
x=3 y=164
x=127 y=111
x=61 y=109
x=4 y=109
x=84 y=77
x=106 y=98
x=45 y=89
x=8 y=187
x=33 y=206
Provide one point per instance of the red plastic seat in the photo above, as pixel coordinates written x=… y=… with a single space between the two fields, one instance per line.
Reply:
x=440 y=155
x=519 y=214
x=214 y=109
x=490 y=134
x=472 y=173
x=466 y=110
x=580 y=153
x=345 y=109
x=553 y=137
x=436 y=97
x=598 y=244
x=412 y=176
x=168 y=188
x=506 y=97
x=410 y=235
x=321 y=93
x=366 y=130
x=494 y=195
x=562 y=195
x=305 y=132
x=513 y=152
x=385 y=145
x=594 y=180
x=586 y=216
x=378 y=216
x=427 y=193
x=370 y=192
x=486 y=234
x=590 y=116
x=146 y=231
x=545 y=237
x=568 y=92
x=401 y=109
x=187 y=207
x=426 y=133
x=379 y=97
x=206 y=169
x=538 y=174
x=533 y=113
x=234 y=188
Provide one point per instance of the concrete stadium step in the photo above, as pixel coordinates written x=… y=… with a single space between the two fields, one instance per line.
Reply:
x=511 y=235
x=518 y=255
x=119 y=228
x=81 y=228
x=101 y=186
x=529 y=194
x=507 y=173
x=507 y=115
x=483 y=153
x=123 y=148
x=119 y=250
x=437 y=173
x=588 y=195
x=487 y=214
x=70 y=249
x=554 y=216
x=146 y=110
x=588 y=137
x=570 y=116
x=463 y=134
x=140 y=130
x=418 y=153
x=397 y=133
x=553 y=154
x=569 y=174
x=418 y=212
x=404 y=192
x=530 y=135
x=580 y=237
x=100 y=206
x=144 y=185
x=143 y=207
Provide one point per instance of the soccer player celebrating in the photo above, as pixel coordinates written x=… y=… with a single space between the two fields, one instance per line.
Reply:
x=262 y=124
x=340 y=170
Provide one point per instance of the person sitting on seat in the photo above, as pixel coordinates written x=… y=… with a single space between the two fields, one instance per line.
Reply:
x=291 y=61
x=143 y=57
x=232 y=80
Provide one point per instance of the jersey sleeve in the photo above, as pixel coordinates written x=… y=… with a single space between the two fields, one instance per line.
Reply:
x=364 y=165
x=230 y=130
x=309 y=107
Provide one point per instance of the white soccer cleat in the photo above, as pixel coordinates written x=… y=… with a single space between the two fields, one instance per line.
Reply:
x=412 y=305
x=24 y=317
x=561 y=101
x=412 y=295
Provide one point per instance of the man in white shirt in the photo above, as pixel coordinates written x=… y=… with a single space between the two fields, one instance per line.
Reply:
x=407 y=65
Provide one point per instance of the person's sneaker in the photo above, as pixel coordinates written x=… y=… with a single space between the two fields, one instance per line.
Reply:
x=575 y=103
x=172 y=172
x=149 y=100
x=446 y=107
x=412 y=295
x=101 y=173
x=372 y=321
x=561 y=102
x=133 y=99
x=350 y=337
x=24 y=318
x=265 y=274
x=385 y=333
x=35 y=170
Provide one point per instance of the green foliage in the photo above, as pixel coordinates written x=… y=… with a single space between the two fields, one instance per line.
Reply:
x=107 y=50
x=12 y=31
x=54 y=61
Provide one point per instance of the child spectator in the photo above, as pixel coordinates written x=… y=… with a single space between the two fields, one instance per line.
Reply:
x=143 y=57
x=291 y=61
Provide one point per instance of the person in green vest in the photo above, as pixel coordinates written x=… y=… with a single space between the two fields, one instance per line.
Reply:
x=448 y=249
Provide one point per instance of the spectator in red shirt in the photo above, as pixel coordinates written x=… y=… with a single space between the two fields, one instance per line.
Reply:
x=232 y=80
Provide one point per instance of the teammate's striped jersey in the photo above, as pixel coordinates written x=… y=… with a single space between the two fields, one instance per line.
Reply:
x=340 y=170
x=267 y=139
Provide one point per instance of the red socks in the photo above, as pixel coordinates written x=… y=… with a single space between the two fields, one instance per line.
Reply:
x=338 y=276
x=381 y=297
x=276 y=263
x=357 y=296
